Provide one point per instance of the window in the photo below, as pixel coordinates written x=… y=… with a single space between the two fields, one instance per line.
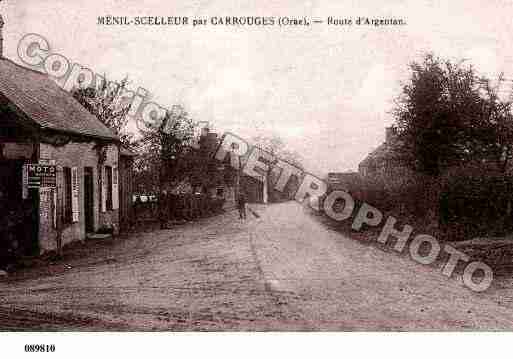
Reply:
x=108 y=184
x=68 y=211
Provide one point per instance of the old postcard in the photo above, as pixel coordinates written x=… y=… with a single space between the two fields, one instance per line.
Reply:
x=270 y=166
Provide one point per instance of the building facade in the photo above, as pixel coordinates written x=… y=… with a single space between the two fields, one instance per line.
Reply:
x=345 y=181
x=86 y=198
x=43 y=128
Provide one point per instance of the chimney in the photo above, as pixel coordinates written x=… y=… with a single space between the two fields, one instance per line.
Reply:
x=1 y=37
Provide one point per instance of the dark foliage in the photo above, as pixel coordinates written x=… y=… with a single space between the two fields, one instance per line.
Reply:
x=446 y=115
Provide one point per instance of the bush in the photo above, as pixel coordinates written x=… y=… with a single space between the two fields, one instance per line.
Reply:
x=412 y=198
x=475 y=201
x=464 y=203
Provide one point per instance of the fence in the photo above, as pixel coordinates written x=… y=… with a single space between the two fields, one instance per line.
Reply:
x=178 y=207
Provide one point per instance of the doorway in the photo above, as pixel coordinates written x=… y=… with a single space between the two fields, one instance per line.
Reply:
x=89 y=199
x=19 y=217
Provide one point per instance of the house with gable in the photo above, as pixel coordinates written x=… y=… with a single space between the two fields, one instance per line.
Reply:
x=43 y=128
x=385 y=163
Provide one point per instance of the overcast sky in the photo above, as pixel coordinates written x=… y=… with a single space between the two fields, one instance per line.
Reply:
x=325 y=90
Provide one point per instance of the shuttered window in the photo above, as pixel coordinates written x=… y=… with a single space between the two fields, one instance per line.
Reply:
x=68 y=211
x=75 y=188
x=108 y=184
x=115 y=188
x=103 y=193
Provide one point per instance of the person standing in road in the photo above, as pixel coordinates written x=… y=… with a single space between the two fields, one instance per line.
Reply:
x=241 y=204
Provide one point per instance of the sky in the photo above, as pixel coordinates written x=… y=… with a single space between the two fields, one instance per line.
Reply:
x=327 y=91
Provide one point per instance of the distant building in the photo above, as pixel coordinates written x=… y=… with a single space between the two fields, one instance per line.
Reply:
x=222 y=178
x=217 y=179
x=254 y=189
x=347 y=181
x=385 y=162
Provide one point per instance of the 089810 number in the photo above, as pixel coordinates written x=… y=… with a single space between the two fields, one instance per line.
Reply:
x=39 y=348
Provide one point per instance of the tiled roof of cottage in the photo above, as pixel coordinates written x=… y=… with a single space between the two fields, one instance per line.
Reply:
x=383 y=152
x=48 y=105
x=378 y=153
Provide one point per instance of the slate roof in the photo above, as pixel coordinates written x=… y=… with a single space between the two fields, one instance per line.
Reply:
x=380 y=153
x=47 y=104
x=384 y=152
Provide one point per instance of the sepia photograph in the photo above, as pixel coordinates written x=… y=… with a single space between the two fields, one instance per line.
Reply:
x=254 y=168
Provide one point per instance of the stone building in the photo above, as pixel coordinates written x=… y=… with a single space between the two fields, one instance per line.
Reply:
x=225 y=181
x=215 y=179
x=44 y=128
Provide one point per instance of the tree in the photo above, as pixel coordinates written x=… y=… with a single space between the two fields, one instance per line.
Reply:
x=498 y=119
x=441 y=117
x=206 y=172
x=450 y=118
x=108 y=105
x=165 y=150
x=447 y=114
x=275 y=146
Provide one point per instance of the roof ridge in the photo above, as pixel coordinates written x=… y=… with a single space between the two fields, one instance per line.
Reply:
x=24 y=67
x=43 y=100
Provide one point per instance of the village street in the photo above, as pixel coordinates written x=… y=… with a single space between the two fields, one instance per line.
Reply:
x=282 y=271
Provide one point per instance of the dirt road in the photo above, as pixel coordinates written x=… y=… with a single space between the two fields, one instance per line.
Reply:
x=282 y=271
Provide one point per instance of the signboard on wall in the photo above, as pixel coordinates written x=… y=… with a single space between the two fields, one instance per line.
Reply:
x=41 y=176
